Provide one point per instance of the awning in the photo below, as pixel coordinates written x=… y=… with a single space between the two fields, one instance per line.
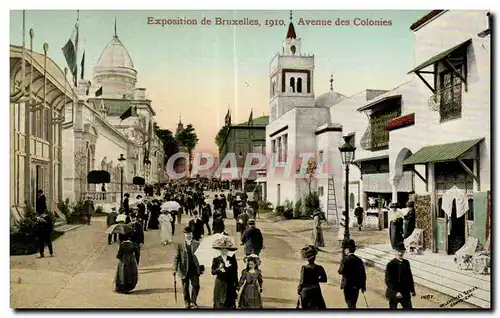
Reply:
x=260 y=180
x=372 y=158
x=440 y=56
x=441 y=153
x=378 y=101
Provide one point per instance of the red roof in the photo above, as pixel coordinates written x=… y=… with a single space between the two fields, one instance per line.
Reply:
x=291 y=32
x=425 y=18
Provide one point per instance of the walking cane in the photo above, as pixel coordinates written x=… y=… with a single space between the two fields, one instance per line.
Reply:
x=175 y=288
x=365 y=301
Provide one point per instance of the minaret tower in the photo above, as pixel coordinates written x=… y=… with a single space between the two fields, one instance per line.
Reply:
x=291 y=76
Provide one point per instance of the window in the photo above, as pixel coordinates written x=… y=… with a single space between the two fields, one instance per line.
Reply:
x=292 y=85
x=285 y=147
x=320 y=157
x=450 y=89
x=38 y=124
x=321 y=191
x=379 y=135
x=440 y=211
x=46 y=124
x=299 y=85
x=470 y=212
x=351 y=201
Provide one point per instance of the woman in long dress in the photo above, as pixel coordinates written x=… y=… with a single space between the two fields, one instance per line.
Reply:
x=317 y=233
x=311 y=275
x=225 y=269
x=165 y=220
x=251 y=284
x=340 y=234
x=127 y=273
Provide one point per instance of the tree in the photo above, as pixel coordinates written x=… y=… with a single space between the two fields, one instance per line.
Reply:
x=188 y=139
x=311 y=172
x=221 y=136
x=170 y=146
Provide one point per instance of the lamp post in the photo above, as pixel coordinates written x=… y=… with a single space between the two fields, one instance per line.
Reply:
x=347 y=153
x=120 y=160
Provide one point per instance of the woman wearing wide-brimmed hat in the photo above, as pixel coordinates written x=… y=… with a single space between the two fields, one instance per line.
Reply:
x=225 y=268
x=251 y=283
x=317 y=233
x=309 y=290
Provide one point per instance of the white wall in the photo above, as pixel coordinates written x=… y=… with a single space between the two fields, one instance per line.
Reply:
x=446 y=31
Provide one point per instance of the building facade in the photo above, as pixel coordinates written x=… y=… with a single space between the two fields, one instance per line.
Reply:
x=39 y=96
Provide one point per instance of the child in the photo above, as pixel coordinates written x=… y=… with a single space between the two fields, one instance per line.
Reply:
x=251 y=284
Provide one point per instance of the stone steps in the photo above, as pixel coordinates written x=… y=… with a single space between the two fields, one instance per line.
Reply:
x=447 y=281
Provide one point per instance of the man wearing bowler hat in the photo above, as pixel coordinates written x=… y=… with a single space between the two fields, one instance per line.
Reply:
x=399 y=280
x=353 y=274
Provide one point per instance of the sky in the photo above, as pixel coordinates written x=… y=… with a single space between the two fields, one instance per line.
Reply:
x=199 y=71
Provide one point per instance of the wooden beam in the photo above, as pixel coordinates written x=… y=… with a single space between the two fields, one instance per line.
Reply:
x=425 y=82
x=456 y=72
x=426 y=72
x=418 y=174
x=468 y=170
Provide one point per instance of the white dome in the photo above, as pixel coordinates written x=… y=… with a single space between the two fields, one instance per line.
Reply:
x=328 y=99
x=115 y=55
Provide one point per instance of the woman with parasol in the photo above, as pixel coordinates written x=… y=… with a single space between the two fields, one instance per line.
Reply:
x=309 y=290
x=127 y=274
x=250 y=284
x=225 y=269
x=317 y=232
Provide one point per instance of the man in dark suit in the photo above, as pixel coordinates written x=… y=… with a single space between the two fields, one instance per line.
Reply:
x=399 y=281
x=187 y=265
x=353 y=274
x=206 y=214
x=137 y=236
x=41 y=203
x=88 y=209
x=126 y=204
x=196 y=226
x=44 y=226
x=252 y=239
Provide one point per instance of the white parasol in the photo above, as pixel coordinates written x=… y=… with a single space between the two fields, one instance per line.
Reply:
x=170 y=206
x=206 y=253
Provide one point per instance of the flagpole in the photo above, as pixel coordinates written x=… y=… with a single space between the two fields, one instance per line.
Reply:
x=76 y=45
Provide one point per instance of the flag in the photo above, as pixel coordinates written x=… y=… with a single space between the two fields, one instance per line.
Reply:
x=70 y=49
x=126 y=114
x=83 y=65
x=98 y=92
x=250 y=119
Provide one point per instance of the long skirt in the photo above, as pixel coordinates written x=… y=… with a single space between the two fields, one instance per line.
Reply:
x=166 y=231
x=127 y=274
x=318 y=239
x=312 y=298
x=250 y=297
x=224 y=295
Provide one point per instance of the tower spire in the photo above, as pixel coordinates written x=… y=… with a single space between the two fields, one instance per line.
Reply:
x=116 y=33
x=331 y=82
x=291 y=29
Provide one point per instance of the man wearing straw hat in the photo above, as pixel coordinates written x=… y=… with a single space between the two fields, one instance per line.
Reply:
x=353 y=274
x=399 y=280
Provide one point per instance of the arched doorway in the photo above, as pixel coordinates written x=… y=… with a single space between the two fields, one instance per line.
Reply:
x=402 y=182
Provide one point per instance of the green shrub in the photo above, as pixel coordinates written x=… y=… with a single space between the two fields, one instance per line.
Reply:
x=77 y=215
x=265 y=205
x=288 y=213
x=65 y=209
x=99 y=210
x=280 y=210
x=297 y=211
x=311 y=203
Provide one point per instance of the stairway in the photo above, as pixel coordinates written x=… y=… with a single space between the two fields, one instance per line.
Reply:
x=331 y=206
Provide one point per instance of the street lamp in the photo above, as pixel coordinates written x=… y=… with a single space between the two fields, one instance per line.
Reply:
x=120 y=160
x=347 y=153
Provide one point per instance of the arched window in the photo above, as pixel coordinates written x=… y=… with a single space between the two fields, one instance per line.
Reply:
x=470 y=212
x=292 y=85
x=299 y=85
x=351 y=201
